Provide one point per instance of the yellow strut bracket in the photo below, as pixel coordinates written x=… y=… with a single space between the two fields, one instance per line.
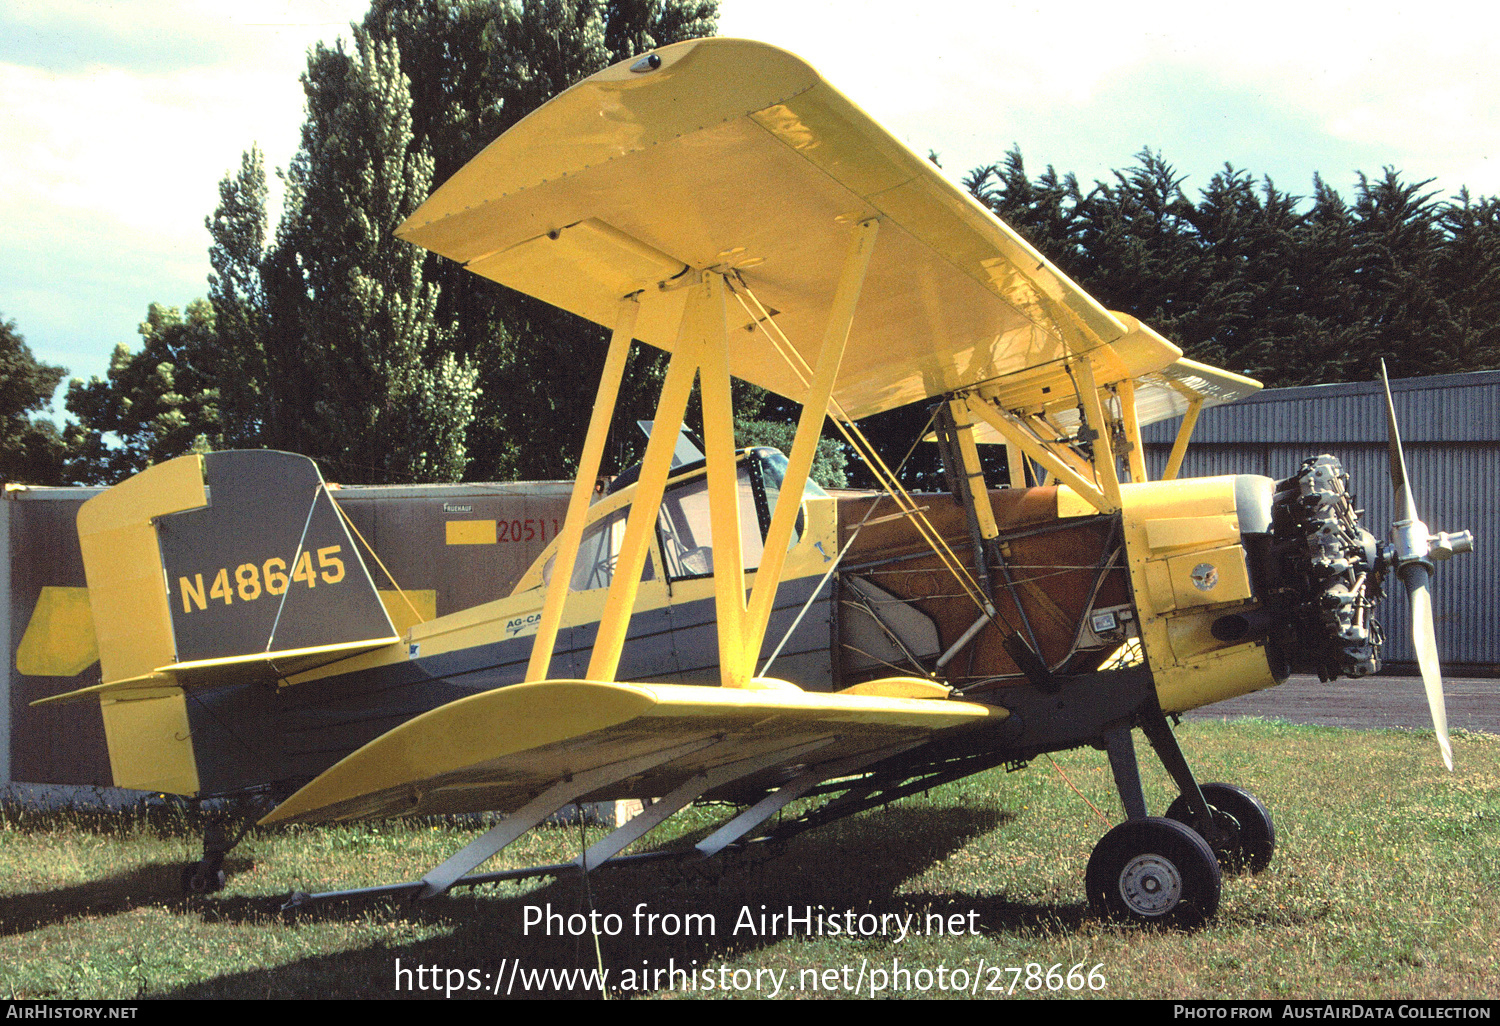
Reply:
x=1179 y=446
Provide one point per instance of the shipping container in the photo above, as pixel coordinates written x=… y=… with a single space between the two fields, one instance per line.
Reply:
x=436 y=549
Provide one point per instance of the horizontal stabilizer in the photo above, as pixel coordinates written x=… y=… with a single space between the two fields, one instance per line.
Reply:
x=499 y=750
x=258 y=666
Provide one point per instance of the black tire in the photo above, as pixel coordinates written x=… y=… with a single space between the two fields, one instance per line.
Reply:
x=199 y=878
x=1251 y=835
x=1154 y=872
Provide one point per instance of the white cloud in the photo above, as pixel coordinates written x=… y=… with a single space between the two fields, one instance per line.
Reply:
x=117 y=119
x=125 y=125
x=1401 y=85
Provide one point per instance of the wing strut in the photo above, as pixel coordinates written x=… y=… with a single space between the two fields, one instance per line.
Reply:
x=705 y=320
x=583 y=487
x=1179 y=446
x=1135 y=456
x=702 y=353
x=1032 y=446
x=793 y=789
x=685 y=794
x=605 y=852
x=656 y=465
x=809 y=427
x=539 y=808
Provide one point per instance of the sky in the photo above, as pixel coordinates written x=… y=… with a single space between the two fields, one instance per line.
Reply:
x=118 y=119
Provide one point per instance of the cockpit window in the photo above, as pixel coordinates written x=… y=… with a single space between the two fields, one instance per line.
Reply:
x=772 y=472
x=684 y=527
x=687 y=545
x=594 y=566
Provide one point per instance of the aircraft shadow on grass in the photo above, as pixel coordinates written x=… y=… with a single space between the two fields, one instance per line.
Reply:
x=142 y=887
x=811 y=869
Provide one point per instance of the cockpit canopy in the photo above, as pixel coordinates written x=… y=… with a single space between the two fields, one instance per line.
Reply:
x=683 y=533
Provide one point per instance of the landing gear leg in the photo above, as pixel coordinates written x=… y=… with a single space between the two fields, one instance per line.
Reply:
x=206 y=876
x=1232 y=820
x=1154 y=725
x=1121 y=747
x=1148 y=870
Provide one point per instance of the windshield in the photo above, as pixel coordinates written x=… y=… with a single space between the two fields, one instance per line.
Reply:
x=773 y=472
x=684 y=529
x=686 y=533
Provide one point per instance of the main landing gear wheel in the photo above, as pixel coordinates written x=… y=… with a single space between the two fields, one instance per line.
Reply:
x=1247 y=835
x=1153 y=871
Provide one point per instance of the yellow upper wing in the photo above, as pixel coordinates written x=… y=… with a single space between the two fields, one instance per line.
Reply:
x=1161 y=393
x=737 y=155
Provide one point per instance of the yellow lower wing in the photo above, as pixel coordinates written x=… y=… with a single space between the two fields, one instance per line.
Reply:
x=497 y=750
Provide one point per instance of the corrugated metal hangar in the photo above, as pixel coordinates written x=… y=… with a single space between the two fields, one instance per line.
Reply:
x=1450 y=430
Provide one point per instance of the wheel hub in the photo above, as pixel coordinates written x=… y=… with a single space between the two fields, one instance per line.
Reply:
x=1150 y=885
x=1228 y=829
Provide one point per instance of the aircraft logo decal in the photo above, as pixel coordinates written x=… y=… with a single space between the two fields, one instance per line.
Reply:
x=1205 y=576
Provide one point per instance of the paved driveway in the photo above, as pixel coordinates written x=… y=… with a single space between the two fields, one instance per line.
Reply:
x=1473 y=703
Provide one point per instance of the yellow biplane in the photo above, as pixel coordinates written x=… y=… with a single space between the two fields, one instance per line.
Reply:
x=724 y=628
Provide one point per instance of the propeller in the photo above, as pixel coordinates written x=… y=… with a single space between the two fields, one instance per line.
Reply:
x=1411 y=553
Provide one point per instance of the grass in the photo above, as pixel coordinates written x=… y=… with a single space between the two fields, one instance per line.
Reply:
x=1386 y=884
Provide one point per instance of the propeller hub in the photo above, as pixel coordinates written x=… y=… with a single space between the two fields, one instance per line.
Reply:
x=1444 y=545
x=1409 y=544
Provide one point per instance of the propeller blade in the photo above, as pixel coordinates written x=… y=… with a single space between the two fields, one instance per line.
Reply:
x=1424 y=639
x=1399 y=480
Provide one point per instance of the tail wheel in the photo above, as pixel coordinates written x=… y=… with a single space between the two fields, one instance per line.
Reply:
x=1247 y=837
x=205 y=877
x=1154 y=871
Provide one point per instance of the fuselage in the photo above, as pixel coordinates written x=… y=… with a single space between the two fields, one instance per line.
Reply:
x=1114 y=607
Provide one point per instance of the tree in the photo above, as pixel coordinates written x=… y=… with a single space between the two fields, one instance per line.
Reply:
x=536 y=365
x=153 y=405
x=360 y=364
x=1044 y=212
x=31 y=449
x=752 y=427
x=249 y=410
x=1289 y=290
x=1469 y=270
